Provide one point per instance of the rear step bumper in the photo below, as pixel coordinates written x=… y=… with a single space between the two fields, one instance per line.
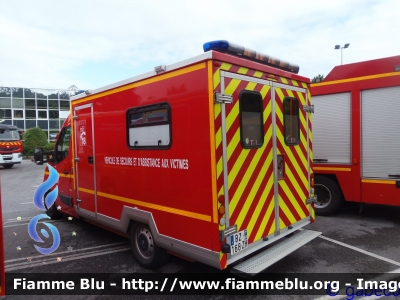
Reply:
x=263 y=260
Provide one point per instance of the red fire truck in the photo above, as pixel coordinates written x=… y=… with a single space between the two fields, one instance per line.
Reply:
x=208 y=159
x=355 y=144
x=10 y=146
x=2 y=271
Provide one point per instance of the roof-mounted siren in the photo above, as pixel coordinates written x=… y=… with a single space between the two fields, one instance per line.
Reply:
x=237 y=50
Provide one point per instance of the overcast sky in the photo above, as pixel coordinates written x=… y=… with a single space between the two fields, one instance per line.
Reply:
x=93 y=43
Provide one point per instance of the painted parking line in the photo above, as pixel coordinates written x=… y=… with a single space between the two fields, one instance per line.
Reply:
x=76 y=254
x=385 y=276
x=391 y=261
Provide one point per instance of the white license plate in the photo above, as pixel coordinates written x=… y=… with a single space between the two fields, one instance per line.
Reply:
x=238 y=241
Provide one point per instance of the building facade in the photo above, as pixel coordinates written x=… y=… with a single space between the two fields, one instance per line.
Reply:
x=32 y=107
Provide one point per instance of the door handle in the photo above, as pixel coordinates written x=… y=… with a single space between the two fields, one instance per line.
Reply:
x=90 y=159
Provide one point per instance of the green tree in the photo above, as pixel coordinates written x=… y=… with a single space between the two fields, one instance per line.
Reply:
x=318 y=78
x=34 y=137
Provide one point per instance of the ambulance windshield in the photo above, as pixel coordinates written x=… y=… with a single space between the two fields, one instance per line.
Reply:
x=9 y=135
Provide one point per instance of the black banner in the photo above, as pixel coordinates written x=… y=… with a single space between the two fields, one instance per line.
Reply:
x=222 y=283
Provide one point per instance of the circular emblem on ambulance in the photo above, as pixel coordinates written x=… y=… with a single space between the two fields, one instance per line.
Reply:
x=247 y=141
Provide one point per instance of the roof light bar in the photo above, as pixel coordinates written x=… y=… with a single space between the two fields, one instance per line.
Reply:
x=237 y=50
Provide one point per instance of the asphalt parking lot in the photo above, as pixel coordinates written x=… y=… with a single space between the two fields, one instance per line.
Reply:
x=351 y=242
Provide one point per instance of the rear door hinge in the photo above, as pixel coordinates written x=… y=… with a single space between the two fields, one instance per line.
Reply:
x=75 y=117
x=222 y=98
x=308 y=108
x=311 y=199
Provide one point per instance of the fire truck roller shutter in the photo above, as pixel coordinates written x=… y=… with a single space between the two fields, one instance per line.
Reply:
x=380 y=123
x=144 y=248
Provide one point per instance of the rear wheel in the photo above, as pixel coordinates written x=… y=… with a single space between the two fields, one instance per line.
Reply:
x=8 y=166
x=329 y=196
x=144 y=248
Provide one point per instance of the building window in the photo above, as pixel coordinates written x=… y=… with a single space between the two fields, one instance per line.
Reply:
x=43 y=124
x=53 y=114
x=64 y=105
x=53 y=104
x=149 y=127
x=42 y=104
x=29 y=93
x=5 y=92
x=42 y=114
x=30 y=124
x=291 y=121
x=18 y=113
x=30 y=114
x=17 y=103
x=19 y=123
x=5 y=102
x=30 y=103
x=17 y=93
x=5 y=113
x=251 y=119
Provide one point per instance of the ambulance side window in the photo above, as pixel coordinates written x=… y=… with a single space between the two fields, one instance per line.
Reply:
x=251 y=119
x=291 y=121
x=63 y=144
x=149 y=127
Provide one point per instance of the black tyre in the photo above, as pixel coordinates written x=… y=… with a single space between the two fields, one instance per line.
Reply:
x=52 y=211
x=329 y=196
x=8 y=166
x=144 y=248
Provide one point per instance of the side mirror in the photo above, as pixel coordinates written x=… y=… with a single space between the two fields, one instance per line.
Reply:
x=38 y=156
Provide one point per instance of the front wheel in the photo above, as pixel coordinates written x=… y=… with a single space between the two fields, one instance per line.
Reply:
x=52 y=211
x=329 y=196
x=8 y=166
x=144 y=248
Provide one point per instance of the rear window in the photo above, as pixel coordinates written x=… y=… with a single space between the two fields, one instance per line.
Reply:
x=291 y=121
x=251 y=119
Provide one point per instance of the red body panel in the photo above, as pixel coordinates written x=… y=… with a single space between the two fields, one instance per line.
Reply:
x=355 y=78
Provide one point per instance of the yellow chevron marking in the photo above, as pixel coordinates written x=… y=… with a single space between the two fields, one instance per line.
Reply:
x=292 y=158
x=232 y=116
x=236 y=137
x=217 y=77
x=218 y=138
x=284 y=80
x=302 y=119
x=244 y=152
x=258 y=74
x=263 y=198
x=249 y=172
x=295 y=83
x=303 y=140
x=287 y=213
x=242 y=70
x=255 y=187
x=268 y=214
x=305 y=86
x=295 y=183
x=292 y=199
x=217 y=110
x=171 y=210
x=219 y=170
